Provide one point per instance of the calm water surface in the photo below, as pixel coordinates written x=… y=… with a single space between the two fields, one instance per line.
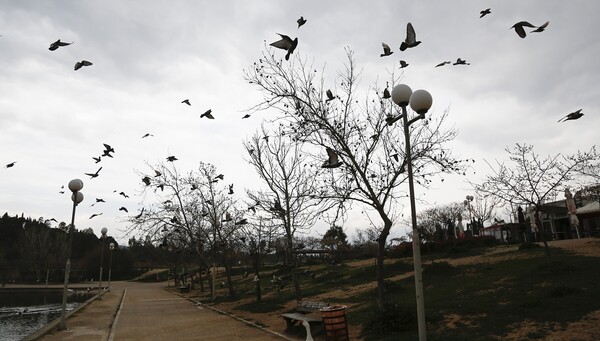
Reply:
x=24 y=312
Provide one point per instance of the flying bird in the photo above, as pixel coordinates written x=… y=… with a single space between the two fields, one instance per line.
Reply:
x=411 y=38
x=333 y=160
x=242 y=221
x=171 y=158
x=146 y=135
x=208 y=114
x=124 y=195
x=541 y=28
x=231 y=189
x=572 y=116
x=330 y=96
x=519 y=28
x=81 y=64
x=97 y=159
x=443 y=63
x=93 y=175
x=286 y=43
x=55 y=45
x=403 y=64
x=9 y=165
x=485 y=12
x=301 y=21
x=386 y=50
x=461 y=62
x=123 y=208
x=386 y=93
x=246 y=116
x=186 y=101
x=107 y=150
x=157 y=173
x=146 y=180
x=95 y=215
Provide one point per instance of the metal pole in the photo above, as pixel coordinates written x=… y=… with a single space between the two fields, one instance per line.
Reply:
x=109 y=266
x=68 y=266
x=101 y=260
x=416 y=244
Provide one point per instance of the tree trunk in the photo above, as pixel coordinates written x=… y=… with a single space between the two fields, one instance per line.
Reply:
x=380 y=257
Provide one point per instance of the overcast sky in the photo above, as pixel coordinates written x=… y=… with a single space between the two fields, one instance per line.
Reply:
x=148 y=56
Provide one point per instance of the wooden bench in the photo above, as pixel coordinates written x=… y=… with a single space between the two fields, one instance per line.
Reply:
x=303 y=308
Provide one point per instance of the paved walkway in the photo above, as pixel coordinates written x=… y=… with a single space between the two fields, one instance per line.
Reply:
x=148 y=312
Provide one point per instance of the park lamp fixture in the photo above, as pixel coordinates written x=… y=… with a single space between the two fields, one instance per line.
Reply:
x=420 y=101
x=75 y=186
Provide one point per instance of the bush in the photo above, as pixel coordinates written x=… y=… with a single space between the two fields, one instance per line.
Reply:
x=393 y=318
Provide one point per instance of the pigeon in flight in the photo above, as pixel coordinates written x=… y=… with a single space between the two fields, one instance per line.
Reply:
x=186 y=101
x=386 y=50
x=386 y=93
x=330 y=96
x=172 y=158
x=107 y=150
x=443 y=63
x=572 y=116
x=146 y=180
x=157 y=173
x=97 y=159
x=9 y=165
x=541 y=28
x=81 y=64
x=124 y=209
x=519 y=28
x=333 y=161
x=403 y=64
x=246 y=116
x=219 y=177
x=461 y=62
x=485 y=12
x=231 y=189
x=146 y=135
x=301 y=21
x=124 y=195
x=208 y=114
x=55 y=45
x=93 y=175
x=95 y=215
x=286 y=43
x=411 y=38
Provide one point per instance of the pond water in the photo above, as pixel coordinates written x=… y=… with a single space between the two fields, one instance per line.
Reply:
x=22 y=312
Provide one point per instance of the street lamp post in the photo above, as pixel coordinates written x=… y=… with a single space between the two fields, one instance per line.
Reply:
x=103 y=231
x=420 y=101
x=467 y=203
x=111 y=246
x=75 y=186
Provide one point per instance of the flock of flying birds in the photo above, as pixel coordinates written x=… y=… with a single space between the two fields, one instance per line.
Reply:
x=289 y=45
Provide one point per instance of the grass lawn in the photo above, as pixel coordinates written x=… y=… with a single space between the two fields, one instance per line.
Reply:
x=495 y=293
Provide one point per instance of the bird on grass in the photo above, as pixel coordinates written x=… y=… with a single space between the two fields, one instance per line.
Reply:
x=333 y=159
x=411 y=38
x=572 y=116
x=286 y=43
x=301 y=21
x=386 y=50
x=208 y=114
x=55 y=45
x=81 y=64
x=519 y=28
x=485 y=12
x=541 y=28
x=94 y=175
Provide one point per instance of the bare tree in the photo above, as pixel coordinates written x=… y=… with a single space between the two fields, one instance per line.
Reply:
x=531 y=179
x=292 y=187
x=433 y=221
x=365 y=160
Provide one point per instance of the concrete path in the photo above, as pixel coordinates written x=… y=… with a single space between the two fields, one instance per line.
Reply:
x=148 y=312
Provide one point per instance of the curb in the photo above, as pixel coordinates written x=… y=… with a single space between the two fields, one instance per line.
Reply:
x=198 y=303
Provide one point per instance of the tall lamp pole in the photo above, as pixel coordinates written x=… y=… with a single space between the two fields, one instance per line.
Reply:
x=420 y=101
x=103 y=231
x=75 y=186
x=111 y=247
